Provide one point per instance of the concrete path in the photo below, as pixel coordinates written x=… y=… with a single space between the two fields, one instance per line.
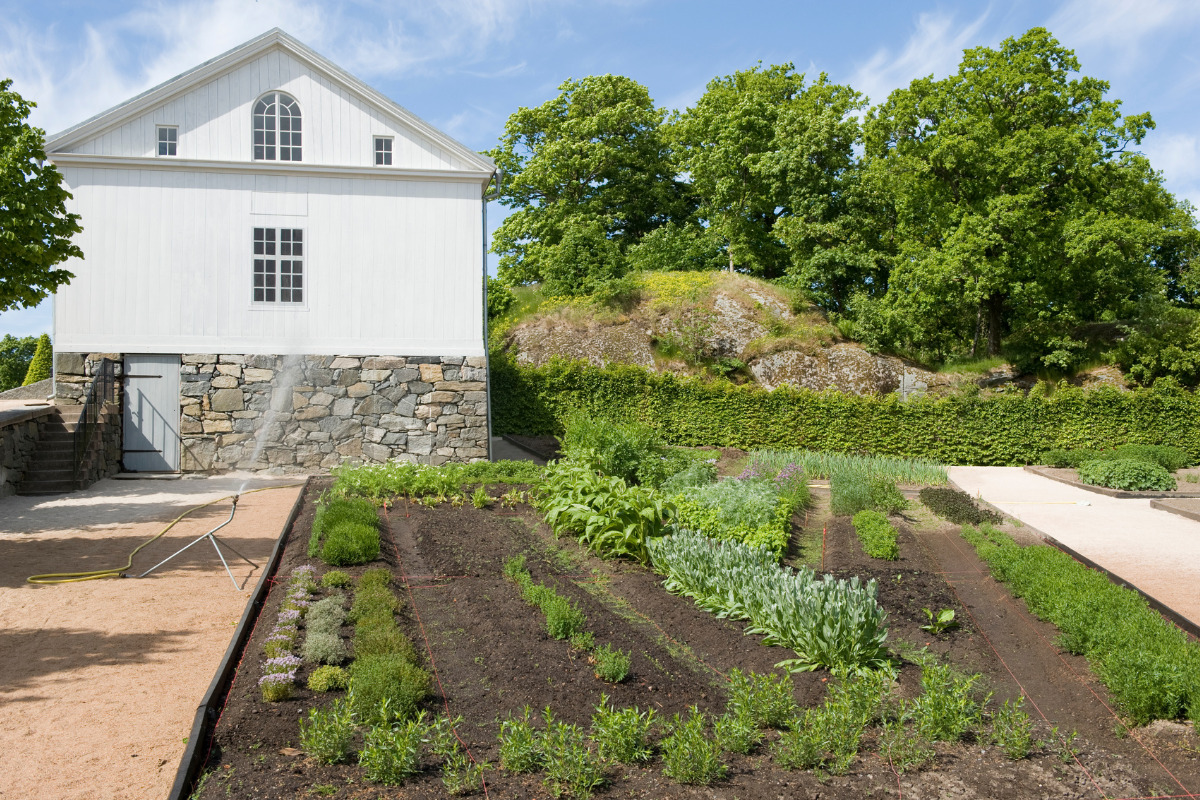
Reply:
x=100 y=680
x=1156 y=551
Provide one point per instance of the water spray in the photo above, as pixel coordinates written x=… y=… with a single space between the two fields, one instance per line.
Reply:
x=211 y=536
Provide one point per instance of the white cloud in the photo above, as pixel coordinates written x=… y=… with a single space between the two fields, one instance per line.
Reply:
x=74 y=78
x=1122 y=28
x=1177 y=157
x=935 y=47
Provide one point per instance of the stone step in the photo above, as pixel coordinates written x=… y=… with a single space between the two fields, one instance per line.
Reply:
x=31 y=488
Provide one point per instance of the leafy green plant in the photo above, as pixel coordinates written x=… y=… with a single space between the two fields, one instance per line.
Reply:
x=826 y=464
x=947 y=709
x=564 y=618
x=460 y=775
x=611 y=663
x=321 y=647
x=804 y=744
x=736 y=733
x=940 y=622
x=696 y=473
x=852 y=492
x=480 y=498
x=877 y=535
x=621 y=736
x=350 y=543
x=1166 y=456
x=904 y=749
x=1012 y=730
x=328 y=735
x=689 y=756
x=335 y=579
x=380 y=481
x=630 y=451
x=766 y=700
x=391 y=677
x=611 y=518
x=570 y=767
x=1149 y=665
x=584 y=641
x=520 y=745
x=827 y=622
x=350 y=514
x=328 y=679
x=956 y=506
x=1127 y=474
x=754 y=512
x=391 y=752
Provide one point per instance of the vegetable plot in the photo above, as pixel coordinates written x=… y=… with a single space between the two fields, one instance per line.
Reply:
x=827 y=622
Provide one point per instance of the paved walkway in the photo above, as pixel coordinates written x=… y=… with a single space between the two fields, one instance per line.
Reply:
x=100 y=680
x=1156 y=551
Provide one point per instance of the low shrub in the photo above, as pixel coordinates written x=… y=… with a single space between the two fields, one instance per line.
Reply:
x=622 y=736
x=1067 y=459
x=328 y=679
x=378 y=578
x=956 y=506
x=328 y=736
x=766 y=700
x=350 y=542
x=736 y=733
x=324 y=647
x=852 y=492
x=948 y=708
x=689 y=756
x=377 y=636
x=327 y=614
x=570 y=767
x=1149 y=665
x=390 y=677
x=564 y=619
x=336 y=579
x=392 y=752
x=877 y=535
x=1126 y=474
x=1012 y=730
x=520 y=745
x=612 y=664
x=373 y=602
x=334 y=511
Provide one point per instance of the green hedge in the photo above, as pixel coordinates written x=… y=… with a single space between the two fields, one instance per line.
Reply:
x=1005 y=429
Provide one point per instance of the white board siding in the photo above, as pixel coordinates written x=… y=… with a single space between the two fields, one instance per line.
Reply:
x=215 y=121
x=391 y=267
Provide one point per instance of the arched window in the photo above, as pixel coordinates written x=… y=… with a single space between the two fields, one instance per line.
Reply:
x=276 y=128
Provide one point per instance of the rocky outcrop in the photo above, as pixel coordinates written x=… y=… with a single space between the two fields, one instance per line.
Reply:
x=845 y=367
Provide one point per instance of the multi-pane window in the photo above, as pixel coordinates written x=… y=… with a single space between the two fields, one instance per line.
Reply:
x=276 y=128
x=278 y=265
x=383 y=151
x=168 y=136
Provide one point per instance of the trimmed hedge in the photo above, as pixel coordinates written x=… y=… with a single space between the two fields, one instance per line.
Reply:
x=1006 y=429
x=877 y=535
x=1168 y=457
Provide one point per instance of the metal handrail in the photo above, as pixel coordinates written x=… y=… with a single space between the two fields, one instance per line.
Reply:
x=101 y=391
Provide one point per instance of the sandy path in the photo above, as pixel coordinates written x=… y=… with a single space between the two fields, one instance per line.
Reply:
x=1156 y=551
x=100 y=680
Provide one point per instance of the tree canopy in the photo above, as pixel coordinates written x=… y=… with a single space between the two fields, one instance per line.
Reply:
x=35 y=228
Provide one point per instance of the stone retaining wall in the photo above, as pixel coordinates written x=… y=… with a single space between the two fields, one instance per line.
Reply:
x=310 y=413
x=18 y=441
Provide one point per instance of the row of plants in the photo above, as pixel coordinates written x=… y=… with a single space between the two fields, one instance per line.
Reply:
x=1126 y=474
x=566 y=620
x=955 y=505
x=877 y=535
x=1168 y=457
x=379 y=482
x=827 y=622
x=1148 y=664
x=1006 y=429
x=345 y=531
x=818 y=464
x=280 y=663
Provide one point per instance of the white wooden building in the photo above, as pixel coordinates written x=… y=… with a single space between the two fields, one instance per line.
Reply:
x=282 y=245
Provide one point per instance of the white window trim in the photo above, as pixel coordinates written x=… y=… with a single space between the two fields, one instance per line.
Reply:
x=391 y=151
x=158 y=128
x=277 y=222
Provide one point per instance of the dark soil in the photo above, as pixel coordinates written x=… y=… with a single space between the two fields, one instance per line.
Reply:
x=492 y=657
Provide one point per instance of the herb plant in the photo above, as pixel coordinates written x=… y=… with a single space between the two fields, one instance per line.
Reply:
x=689 y=756
x=612 y=664
x=766 y=700
x=570 y=767
x=1012 y=729
x=621 y=736
x=327 y=736
x=392 y=752
x=877 y=535
x=520 y=745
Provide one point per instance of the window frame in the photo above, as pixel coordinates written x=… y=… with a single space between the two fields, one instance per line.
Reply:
x=386 y=152
x=269 y=255
x=271 y=128
x=172 y=141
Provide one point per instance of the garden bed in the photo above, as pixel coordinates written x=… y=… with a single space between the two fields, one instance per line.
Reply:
x=491 y=657
x=1070 y=476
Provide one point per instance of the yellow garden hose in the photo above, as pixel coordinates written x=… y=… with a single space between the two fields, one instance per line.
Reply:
x=119 y=572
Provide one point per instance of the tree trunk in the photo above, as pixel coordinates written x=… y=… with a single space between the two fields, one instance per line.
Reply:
x=731 y=258
x=995 y=308
x=978 y=328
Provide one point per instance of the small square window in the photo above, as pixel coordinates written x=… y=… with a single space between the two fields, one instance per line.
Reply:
x=383 y=151
x=168 y=137
x=278 y=280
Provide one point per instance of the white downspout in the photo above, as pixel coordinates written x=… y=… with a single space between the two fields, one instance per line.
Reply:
x=487 y=358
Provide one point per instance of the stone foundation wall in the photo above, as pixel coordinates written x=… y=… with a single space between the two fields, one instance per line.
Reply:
x=303 y=414
x=73 y=372
x=18 y=441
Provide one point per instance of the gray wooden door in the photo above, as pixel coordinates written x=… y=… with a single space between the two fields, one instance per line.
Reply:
x=151 y=429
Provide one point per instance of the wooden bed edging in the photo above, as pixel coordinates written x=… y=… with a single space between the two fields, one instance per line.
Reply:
x=206 y=714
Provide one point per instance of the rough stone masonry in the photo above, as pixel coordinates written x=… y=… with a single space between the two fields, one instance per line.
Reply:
x=301 y=414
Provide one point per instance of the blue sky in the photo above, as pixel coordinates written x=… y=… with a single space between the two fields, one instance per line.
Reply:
x=465 y=65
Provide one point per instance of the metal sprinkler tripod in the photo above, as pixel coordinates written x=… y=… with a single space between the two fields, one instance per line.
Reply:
x=212 y=538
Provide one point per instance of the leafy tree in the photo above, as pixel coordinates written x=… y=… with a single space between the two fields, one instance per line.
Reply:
x=587 y=166
x=42 y=365
x=1164 y=342
x=499 y=298
x=15 y=355
x=35 y=228
x=678 y=248
x=1019 y=208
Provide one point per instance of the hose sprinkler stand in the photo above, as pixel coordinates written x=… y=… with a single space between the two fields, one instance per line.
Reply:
x=211 y=536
